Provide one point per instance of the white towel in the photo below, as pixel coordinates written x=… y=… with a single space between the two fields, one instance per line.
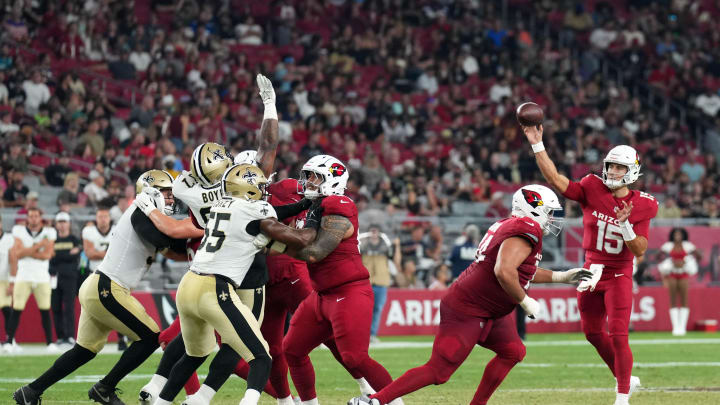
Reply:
x=596 y=270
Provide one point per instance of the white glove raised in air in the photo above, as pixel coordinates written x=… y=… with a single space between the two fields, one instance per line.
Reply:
x=150 y=199
x=571 y=276
x=531 y=306
x=267 y=92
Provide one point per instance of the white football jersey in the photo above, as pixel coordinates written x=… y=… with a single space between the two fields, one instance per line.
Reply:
x=6 y=243
x=198 y=198
x=99 y=240
x=227 y=249
x=129 y=256
x=30 y=269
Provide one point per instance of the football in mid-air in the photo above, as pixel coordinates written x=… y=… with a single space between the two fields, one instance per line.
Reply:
x=529 y=114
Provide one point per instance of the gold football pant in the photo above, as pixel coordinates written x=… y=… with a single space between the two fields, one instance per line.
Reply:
x=206 y=303
x=254 y=299
x=22 y=291
x=106 y=306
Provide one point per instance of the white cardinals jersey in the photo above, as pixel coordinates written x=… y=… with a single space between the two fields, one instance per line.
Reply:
x=100 y=241
x=31 y=269
x=198 y=198
x=128 y=256
x=6 y=243
x=227 y=249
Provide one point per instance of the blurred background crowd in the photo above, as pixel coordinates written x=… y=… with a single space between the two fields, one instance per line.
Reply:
x=417 y=97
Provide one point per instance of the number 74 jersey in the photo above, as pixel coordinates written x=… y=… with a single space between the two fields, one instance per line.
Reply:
x=227 y=248
x=602 y=238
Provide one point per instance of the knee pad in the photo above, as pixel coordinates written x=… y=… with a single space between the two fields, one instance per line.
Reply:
x=618 y=327
x=514 y=351
x=353 y=359
x=449 y=348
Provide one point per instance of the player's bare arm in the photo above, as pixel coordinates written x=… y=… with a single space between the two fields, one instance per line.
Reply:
x=91 y=252
x=20 y=251
x=333 y=229
x=269 y=130
x=293 y=238
x=45 y=251
x=546 y=165
x=637 y=244
x=511 y=255
x=175 y=228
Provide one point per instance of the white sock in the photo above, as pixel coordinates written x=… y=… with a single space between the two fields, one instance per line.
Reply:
x=313 y=401
x=251 y=397
x=365 y=387
x=622 y=398
x=161 y=401
x=674 y=318
x=158 y=381
x=286 y=401
x=396 y=401
x=684 y=315
x=206 y=393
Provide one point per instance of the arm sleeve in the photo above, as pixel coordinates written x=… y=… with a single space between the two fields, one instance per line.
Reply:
x=291 y=210
x=147 y=230
x=178 y=245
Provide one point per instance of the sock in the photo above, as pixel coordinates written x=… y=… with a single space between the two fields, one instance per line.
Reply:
x=286 y=401
x=68 y=362
x=604 y=347
x=47 y=325
x=377 y=377
x=131 y=358
x=179 y=374
x=259 y=372
x=622 y=398
x=279 y=376
x=161 y=401
x=365 y=388
x=313 y=401
x=251 y=397
x=158 y=380
x=192 y=385
x=303 y=376
x=242 y=370
x=674 y=319
x=221 y=367
x=173 y=352
x=13 y=324
x=684 y=315
x=7 y=313
x=623 y=362
x=206 y=393
x=495 y=372
x=411 y=381
x=396 y=401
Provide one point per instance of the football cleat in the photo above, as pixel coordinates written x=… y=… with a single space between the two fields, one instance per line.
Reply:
x=27 y=396
x=53 y=348
x=363 y=400
x=105 y=395
x=195 y=399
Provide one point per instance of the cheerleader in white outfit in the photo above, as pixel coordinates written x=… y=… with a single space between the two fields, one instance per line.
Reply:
x=680 y=264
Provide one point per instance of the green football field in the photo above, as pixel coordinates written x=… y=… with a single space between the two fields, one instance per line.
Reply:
x=558 y=369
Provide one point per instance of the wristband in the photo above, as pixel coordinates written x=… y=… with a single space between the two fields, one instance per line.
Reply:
x=558 y=276
x=538 y=147
x=278 y=246
x=627 y=231
x=270 y=112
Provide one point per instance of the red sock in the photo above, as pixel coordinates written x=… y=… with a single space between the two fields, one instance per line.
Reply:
x=604 y=347
x=303 y=376
x=495 y=372
x=623 y=362
x=411 y=381
x=242 y=369
x=192 y=384
x=279 y=376
x=375 y=374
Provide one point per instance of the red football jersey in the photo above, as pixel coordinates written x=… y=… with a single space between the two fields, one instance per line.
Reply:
x=477 y=291
x=344 y=264
x=602 y=237
x=281 y=267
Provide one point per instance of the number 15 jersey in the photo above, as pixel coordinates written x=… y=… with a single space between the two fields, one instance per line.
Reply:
x=602 y=238
x=227 y=248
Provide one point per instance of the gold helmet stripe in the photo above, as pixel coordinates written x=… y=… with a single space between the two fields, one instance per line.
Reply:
x=198 y=166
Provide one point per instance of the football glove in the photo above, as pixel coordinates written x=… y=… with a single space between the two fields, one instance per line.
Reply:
x=571 y=276
x=267 y=92
x=150 y=199
x=531 y=306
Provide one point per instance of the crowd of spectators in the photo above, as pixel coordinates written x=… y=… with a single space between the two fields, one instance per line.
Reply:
x=417 y=97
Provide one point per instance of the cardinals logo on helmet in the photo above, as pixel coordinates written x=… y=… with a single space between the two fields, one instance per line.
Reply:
x=532 y=197
x=337 y=169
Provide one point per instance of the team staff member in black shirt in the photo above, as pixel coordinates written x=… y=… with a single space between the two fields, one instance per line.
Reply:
x=64 y=272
